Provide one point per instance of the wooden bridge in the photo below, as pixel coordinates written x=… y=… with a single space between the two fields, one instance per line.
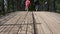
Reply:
x=30 y=23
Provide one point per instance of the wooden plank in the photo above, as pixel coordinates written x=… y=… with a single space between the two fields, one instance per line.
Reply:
x=36 y=17
x=44 y=28
x=29 y=18
x=16 y=29
x=27 y=29
x=30 y=29
x=2 y=27
x=22 y=30
x=6 y=30
x=54 y=16
x=39 y=29
x=7 y=16
x=54 y=27
x=11 y=28
x=46 y=23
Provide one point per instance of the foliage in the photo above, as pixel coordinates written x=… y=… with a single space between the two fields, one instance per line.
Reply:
x=58 y=5
x=31 y=8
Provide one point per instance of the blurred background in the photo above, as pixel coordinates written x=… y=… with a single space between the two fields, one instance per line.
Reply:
x=7 y=6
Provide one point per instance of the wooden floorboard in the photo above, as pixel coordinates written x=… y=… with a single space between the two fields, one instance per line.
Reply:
x=23 y=23
x=49 y=22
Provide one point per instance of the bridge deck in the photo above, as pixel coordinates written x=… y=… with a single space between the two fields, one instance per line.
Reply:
x=25 y=23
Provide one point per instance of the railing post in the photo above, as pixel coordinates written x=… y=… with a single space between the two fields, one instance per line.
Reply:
x=8 y=6
x=13 y=5
x=3 y=12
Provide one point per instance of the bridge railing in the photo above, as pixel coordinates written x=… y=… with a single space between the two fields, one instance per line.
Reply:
x=6 y=6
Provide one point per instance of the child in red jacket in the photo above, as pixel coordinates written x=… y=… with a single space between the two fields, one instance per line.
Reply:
x=27 y=3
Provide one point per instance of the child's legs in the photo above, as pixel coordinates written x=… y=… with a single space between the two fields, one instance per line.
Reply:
x=27 y=8
x=36 y=7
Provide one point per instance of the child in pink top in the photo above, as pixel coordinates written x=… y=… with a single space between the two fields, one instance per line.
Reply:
x=27 y=3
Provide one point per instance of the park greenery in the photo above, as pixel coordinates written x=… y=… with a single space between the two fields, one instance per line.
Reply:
x=20 y=5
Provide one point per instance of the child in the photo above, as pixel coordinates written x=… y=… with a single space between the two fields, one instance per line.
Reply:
x=36 y=4
x=27 y=3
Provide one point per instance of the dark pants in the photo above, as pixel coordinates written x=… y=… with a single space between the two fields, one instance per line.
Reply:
x=36 y=7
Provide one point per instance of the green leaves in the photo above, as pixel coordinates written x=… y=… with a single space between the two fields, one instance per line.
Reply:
x=58 y=5
x=40 y=1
